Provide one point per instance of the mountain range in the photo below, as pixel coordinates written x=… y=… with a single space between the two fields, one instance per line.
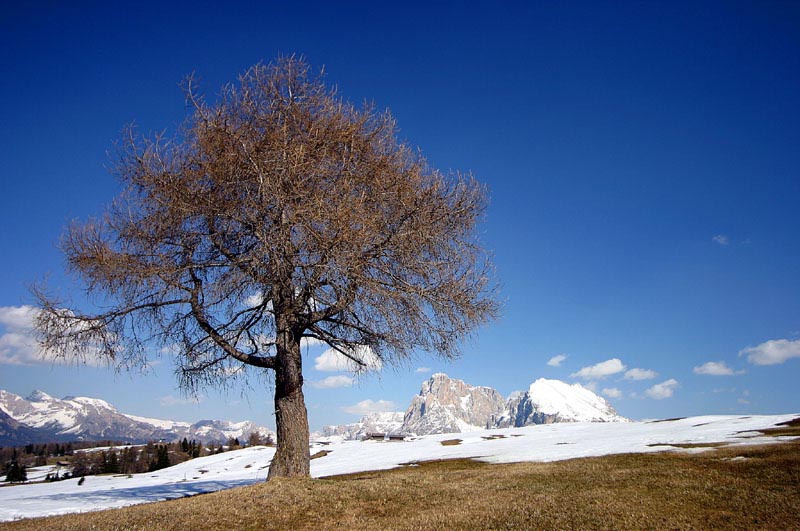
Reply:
x=447 y=405
x=42 y=418
x=443 y=405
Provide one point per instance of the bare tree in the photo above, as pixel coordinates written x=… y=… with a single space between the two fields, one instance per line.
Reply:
x=279 y=213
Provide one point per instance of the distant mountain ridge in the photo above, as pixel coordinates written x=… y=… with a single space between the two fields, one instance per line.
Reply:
x=391 y=422
x=42 y=418
x=448 y=405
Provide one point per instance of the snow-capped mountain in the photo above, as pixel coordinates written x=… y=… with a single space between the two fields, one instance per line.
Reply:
x=389 y=422
x=12 y=433
x=548 y=401
x=41 y=417
x=446 y=405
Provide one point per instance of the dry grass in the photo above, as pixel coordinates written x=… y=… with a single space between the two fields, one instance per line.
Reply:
x=755 y=487
x=451 y=442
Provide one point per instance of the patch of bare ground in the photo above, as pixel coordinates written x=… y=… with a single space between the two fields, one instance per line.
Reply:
x=321 y=453
x=788 y=428
x=687 y=446
x=747 y=487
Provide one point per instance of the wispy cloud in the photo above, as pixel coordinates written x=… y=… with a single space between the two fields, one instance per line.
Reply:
x=640 y=374
x=772 y=352
x=334 y=361
x=715 y=368
x=663 y=390
x=744 y=398
x=170 y=400
x=721 y=239
x=332 y=382
x=555 y=361
x=369 y=406
x=612 y=392
x=423 y=370
x=600 y=370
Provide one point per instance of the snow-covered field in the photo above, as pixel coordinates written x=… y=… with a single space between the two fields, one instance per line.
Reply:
x=244 y=467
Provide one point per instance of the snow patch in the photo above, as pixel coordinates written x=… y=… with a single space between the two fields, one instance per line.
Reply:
x=542 y=443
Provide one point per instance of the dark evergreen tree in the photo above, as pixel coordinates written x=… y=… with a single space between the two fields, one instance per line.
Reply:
x=111 y=462
x=161 y=460
x=80 y=464
x=16 y=473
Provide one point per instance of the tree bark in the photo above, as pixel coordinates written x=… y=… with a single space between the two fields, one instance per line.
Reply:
x=291 y=418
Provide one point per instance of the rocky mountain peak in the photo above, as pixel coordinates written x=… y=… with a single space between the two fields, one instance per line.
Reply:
x=446 y=405
x=39 y=396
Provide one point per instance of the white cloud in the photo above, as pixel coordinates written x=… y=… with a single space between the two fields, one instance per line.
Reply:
x=332 y=382
x=555 y=361
x=169 y=400
x=18 y=344
x=310 y=342
x=721 y=239
x=600 y=370
x=369 y=406
x=715 y=368
x=19 y=349
x=423 y=369
x=772 y=352
x=257 y=299
x=334 y=361
x=612 y=392
x=18 y=317
x=640 y=374
x=662 y=390
x=591 y=386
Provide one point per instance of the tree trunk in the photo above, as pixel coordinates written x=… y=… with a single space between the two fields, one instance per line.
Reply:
x=291 y=418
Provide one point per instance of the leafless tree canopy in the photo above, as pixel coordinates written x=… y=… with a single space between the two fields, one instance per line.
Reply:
x=278 y=213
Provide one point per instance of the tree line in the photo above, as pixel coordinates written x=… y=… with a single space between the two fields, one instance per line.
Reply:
x=86 y=458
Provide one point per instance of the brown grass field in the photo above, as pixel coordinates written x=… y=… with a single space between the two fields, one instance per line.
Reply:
x=745 y=487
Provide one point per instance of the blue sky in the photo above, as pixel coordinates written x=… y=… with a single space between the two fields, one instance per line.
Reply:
x=642 y=159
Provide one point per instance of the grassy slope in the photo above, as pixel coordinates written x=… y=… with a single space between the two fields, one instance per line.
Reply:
x=714 y=489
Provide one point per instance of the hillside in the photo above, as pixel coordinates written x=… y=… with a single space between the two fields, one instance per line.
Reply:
x=539 y=443
x=738 y=487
